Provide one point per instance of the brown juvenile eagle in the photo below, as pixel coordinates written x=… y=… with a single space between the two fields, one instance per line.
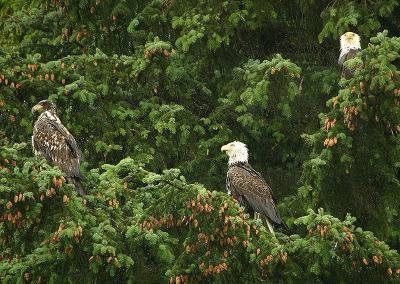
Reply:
x=52 y=140
x=248 y=187
x=349 y=47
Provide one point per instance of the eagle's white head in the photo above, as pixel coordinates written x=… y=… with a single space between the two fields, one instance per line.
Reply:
x=237 y=152
x=43 y=106
x=349 y=41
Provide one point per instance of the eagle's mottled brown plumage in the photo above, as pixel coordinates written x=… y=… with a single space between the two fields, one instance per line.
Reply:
x=349 y=47
x=248 y=187
x=52 y=140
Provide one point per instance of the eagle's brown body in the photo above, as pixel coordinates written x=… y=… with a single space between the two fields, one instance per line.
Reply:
x=52 y=140
x=249 y=188
x=346 y=72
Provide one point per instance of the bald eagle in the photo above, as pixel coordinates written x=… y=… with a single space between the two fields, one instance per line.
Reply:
x=349 y=47
x=248 y=186
x=52 y=140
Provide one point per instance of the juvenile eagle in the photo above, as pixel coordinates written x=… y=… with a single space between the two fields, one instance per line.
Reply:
x=349 y=47
x=52 y=140
x=248 y=186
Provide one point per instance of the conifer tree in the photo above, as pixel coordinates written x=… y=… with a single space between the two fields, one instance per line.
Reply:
x=151 y=90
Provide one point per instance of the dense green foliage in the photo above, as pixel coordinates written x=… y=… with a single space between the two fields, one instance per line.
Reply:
x=151 y=90
x=140 y=226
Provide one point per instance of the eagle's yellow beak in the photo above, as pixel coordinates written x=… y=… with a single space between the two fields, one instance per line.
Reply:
x=37 y=108
x=349 y=35
x=226 y=148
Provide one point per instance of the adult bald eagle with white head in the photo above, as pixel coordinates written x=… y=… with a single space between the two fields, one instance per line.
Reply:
x=52 y=140
x=349 y=47
x=248 y=187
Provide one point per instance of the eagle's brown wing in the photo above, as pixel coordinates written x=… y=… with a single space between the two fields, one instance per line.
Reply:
x=348 y=73
x=248 y=183
x=69 y=139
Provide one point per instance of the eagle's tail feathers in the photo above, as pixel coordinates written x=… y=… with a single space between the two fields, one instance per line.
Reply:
x=82 y=177
x=283 y=225
x=280 y=224
x=78 y=186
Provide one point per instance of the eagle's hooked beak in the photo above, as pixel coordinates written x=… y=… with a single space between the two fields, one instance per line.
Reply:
x=349 y=35
x=36 y=108
x=226 y=148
